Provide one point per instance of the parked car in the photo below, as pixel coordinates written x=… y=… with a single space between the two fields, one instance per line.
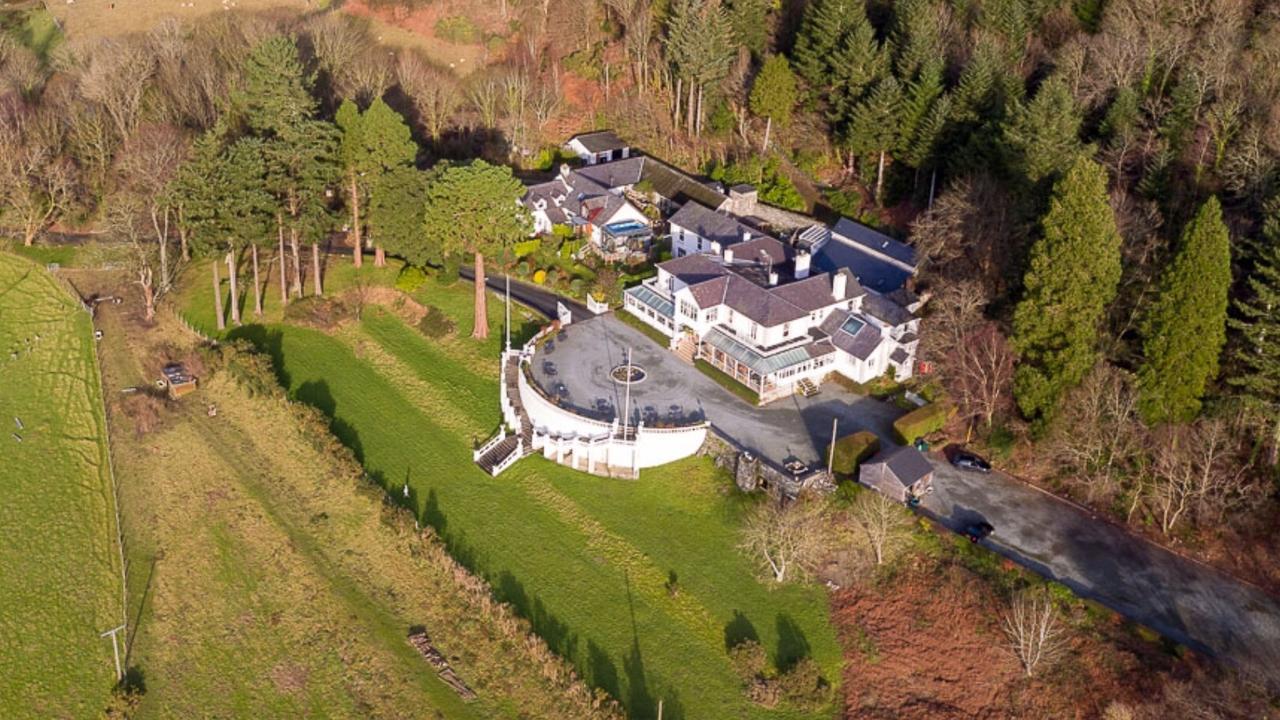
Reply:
x=978 y=530
x=966 y=460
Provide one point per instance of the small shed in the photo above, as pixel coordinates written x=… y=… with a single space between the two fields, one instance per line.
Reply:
x=178 y=381
x=901 y=472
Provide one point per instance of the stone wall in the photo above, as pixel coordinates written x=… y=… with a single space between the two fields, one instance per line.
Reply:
x=752 y=473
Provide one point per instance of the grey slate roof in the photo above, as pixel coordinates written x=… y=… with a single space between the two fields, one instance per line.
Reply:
x=601 y=141
x=885 y=310
x=906 y=464
x=899 y=356
x=576 y=194
x=712 y=225
x=875 y=241
x=860 y=344
x=812 y=293
x=695 y=268
x=616 y=174
x=872 y=272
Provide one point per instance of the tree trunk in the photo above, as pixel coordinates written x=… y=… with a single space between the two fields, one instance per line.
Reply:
x=257 y=286
x=148 y=296
x=481 y=331
x=688 y=113
x=297 y=262
x=358 y=242
x=880 y=177
x=675 y=115
x=182 y=236
x=315 y=269
x=768 y=126
x=235 y=295
x=217 y=296
x=162 y=237
x=284 y=282
x=379 y=256
x=698 y=126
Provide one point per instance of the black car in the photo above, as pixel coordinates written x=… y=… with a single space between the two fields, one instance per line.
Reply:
x=978 y=530
x=966 y=460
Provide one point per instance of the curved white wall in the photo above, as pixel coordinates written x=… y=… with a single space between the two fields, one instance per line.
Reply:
x=547 y=416
x=661 y=446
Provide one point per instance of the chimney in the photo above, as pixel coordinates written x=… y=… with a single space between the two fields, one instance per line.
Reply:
x=728 y=256
x=746 y=235
x=838 y=286
x=773 y=278
x=564 y=170
x=802 y=264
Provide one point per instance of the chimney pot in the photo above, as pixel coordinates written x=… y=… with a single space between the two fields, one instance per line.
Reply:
x=838 y=288
x=728 y=255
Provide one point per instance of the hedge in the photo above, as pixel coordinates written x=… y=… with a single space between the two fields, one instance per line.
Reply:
x=921 y=421
x=527 y=247
x=852 y=450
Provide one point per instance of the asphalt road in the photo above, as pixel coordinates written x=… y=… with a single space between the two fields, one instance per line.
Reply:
x=1186 y=601
x=544 y=301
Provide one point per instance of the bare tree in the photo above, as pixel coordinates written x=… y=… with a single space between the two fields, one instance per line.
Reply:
x=980 y=372
x=1099 y=437
x=1198 y=472
x=434 y=92
x=544 y=101
x=787 y=538
x=971 y=232
x=484 y=92
x=115 y=76
x=146 y=164
x=367 y=77
x=36 y=183
x=1036 y=634
x=953 y=314
x=883 y=521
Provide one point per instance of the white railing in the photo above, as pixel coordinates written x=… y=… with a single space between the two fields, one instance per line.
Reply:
x=510 y=460
x=493 y=442
x=597 y=307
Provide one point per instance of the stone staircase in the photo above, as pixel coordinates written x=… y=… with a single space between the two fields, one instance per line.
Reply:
x=687 y=349
x=498 y=454
x=502 y=450
x=807 y=388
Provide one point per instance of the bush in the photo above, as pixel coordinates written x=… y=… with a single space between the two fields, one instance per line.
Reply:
x=584 y=63
x=457 y=29
x=410 y=278
x=527 y=247
x=920 y=422
x=847 y=202
x=540 y=276
x=803 y=685
x=852 y=450
x=318 y=312
x=448 y=274
x=748 y=659
x=435 y=324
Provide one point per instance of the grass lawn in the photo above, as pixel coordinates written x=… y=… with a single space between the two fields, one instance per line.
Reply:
x=33 y=26
x=589 y=561
x=728 y=383
x=59 y=561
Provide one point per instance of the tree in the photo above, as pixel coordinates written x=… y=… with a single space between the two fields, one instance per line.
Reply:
x=749 y=20
x=773 y=94
x=1198 y=472
x=36 y=183
x=1185 y=328
x=475 y=209
x=1044 y=134
x=1036 y=634
x=825 y=24
x=873 y=127
x=275 y=91
x=980 y=372
x=1099 y=437
x=1072 y=278
x=882 y=520
x=396 y=215
x=373 y=143
x=434 y=92
x=302 y=163
x=227 y=202
x=1256 y=351
x=700 y=48
x=786 y=538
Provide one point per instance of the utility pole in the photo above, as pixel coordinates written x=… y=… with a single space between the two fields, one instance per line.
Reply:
x=508 y=277
x=115 y=648
x=626 y=404
x=831 y=452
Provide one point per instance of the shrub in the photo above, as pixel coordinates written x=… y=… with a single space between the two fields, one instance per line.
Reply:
x=435 y=324
x=584 y=63
x=921 y=421
x=552 y=276
x=847 y=202
x=410 y=278
x=318 y=312
x=803 y=685
x=527 y=247
x=448 y=274
x=457 y=29
x=748 y=659
x=852 y=450
x=540 y=277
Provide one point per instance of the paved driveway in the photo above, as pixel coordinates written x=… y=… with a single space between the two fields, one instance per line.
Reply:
x=1183 y=600
x=577 y=367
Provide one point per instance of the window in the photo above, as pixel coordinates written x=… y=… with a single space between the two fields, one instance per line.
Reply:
x=687 y=309
x=755 y=329
x=731 y=316
x=711 y=315
x=786 y=329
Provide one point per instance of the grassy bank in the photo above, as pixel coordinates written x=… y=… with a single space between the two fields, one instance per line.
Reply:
x=59 y=561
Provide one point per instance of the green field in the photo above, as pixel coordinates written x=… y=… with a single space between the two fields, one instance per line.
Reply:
x=59 y=558
x=589 y=561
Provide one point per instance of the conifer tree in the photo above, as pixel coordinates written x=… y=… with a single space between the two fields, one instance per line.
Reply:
x=749 y=20
x=1185 y=328
x=773 y=94
x=373 y=143
x=274 y=89
x=873 y=128
x=302 y=163
x=857 y=63
x=396 y=208
x=1256 y=349
x=920 y=121
x=474 y=209
x=824 y=24
x=1043 y=136
x=1072 y=278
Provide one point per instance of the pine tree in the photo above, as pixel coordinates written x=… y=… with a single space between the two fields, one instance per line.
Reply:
x=302 y=163
x=396 y=208
x=274 y=88
x=1256 y=347
x=1043 y=136
x=1185 y=328
x=373 y=143
x=1072 y=278
x=773 y=94
x=873 y=128
x=749 y=20
x=824 y=24
x=475 y=209
x=919 y=121
x=916 y=36
x=857 y=63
